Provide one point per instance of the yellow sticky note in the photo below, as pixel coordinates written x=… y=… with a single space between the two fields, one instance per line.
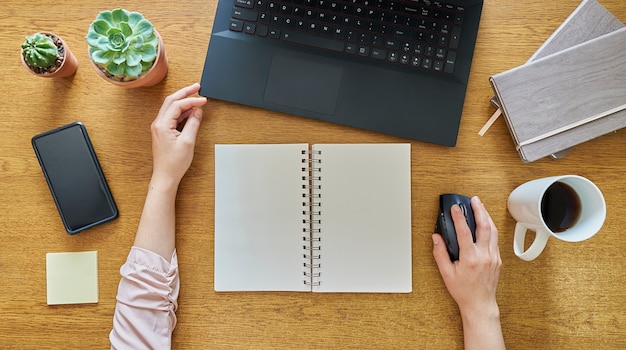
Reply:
x=72 y=278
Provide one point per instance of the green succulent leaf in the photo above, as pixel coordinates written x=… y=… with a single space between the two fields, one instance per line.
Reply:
x=105 y=16
x=133 y=71
x=118 y=58
x=101 y=26
x=102 y=57
x=137 y=42
x=133 y=57
x=119 y=15
x=126 y=29
x=134 y=18
x=146 y=66
x=93 y=38
x=116 y=69
x=143 y=28
x=149 y=53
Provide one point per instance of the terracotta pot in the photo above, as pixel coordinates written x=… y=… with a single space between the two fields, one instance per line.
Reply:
x=68 y=65
x=152 y=77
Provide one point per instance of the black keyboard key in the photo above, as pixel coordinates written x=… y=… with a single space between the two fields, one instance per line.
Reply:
x=352 y=35
x=327 y=30
x=413 y=10
x=392 y=43
x=272 y=7
x=378 y=40
x=312 y=40
x=379 y=54
x=302 y=25
x=262 y=30
x=244 y=15
x=236 y=25
x=440 y=53
x=264 y=18
x=416 y=61
x=450 y=61
x=274 y=33
x=392 y=57
x=404 y=33
x=404 y=58
x=249 y=28
x=276 y=21
x=351 y=48
x=438 y=66
x=244 y=3
x=289 y=23
x=313 y=28
x=339 y=33
x=261 y=5
x=454 y=38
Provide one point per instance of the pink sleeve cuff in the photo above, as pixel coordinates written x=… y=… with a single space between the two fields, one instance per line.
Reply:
x=146 y=301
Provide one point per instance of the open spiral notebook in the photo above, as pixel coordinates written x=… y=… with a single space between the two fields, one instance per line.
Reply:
x=324 y=218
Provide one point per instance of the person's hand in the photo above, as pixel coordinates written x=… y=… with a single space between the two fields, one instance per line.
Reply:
x=472 y=280
x=172 y=150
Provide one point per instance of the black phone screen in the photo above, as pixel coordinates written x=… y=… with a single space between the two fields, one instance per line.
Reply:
x=73 y=173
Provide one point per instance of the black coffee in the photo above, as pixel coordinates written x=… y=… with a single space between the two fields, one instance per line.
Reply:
x=560 y=207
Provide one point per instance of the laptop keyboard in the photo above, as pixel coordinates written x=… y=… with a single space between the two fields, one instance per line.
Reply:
x=420 y=34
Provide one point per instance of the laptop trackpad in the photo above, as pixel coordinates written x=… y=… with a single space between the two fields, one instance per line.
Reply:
x=303 y=83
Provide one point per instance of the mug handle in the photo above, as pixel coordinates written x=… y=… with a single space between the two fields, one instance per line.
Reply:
x=541 y=238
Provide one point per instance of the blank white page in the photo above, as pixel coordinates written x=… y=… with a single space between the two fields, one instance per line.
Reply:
x=258 y=217
x=365 y=218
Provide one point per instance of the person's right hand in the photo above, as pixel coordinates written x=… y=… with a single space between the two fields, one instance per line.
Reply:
x=472 y=280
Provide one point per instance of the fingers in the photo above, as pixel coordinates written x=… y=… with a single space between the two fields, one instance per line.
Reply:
x=463 y=233
x=442 y=258
x=481 y=217
x=177 y=104
x=180 y=94
x=486 y=231
x=190 y=130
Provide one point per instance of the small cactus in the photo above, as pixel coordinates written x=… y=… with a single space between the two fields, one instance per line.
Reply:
x=40 y=51
x=122 y=43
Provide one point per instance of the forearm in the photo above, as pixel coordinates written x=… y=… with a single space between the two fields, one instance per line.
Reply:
x=156 y=231
x=482 y=329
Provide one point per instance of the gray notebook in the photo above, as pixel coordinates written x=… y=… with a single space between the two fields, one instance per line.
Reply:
x=566 y=98
x=588 y=21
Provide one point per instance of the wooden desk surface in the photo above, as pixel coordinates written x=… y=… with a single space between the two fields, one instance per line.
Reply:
x=572 y=297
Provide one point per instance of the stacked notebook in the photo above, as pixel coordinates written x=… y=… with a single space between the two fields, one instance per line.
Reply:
x=573 y=89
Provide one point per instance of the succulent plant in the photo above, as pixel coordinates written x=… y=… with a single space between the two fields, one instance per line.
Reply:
x=122 y=43
x=39 y=50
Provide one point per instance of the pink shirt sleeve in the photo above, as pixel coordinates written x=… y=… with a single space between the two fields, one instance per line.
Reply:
x=146 y=302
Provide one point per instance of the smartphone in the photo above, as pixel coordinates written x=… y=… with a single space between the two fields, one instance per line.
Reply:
x=75 y=178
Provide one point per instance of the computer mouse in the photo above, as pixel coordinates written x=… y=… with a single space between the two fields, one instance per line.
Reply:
x=445 y=224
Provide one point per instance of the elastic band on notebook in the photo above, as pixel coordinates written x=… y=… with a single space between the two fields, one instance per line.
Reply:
x=571 y=126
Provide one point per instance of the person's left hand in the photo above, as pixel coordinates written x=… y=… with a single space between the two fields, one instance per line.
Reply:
x=172 y=150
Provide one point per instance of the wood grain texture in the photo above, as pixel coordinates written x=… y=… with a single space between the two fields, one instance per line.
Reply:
x=571 y=297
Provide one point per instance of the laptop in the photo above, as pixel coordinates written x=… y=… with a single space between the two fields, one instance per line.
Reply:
x=395 y=67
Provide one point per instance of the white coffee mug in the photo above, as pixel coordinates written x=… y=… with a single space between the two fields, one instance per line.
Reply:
x=569 y=207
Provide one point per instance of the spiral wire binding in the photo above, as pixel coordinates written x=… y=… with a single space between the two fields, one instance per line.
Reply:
x=311 y=230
